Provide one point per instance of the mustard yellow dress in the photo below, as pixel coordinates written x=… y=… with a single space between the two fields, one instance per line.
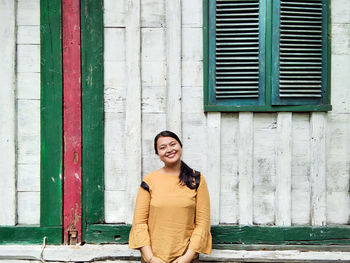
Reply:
x=171 y=217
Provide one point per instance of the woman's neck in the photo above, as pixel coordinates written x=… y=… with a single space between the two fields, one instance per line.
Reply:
x=172 y=169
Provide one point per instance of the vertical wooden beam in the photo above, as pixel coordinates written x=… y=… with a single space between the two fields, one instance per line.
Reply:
x=214 y=164
x=51 y=113
x=133 y=105
x=173 y=52
x=245 y=167
x=92 y=76
x=8 y=115
x=284 y=169
x=71 y=120
x=318 y=168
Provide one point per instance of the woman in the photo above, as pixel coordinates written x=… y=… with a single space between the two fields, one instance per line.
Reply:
x=172 y=213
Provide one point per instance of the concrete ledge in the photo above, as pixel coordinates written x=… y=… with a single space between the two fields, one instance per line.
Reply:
x=121 y=253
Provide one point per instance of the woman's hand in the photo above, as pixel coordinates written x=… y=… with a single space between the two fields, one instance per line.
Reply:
x=187 y=258
x=156 y=260
x=183 y=259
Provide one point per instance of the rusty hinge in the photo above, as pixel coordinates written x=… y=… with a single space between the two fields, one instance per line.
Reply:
x=72 y=237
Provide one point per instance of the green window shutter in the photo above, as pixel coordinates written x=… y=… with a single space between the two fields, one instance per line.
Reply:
x=237 y=52
x=299 y=52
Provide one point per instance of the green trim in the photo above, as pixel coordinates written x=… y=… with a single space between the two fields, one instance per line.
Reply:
x=262 y=52
x=325 y=54
x=328 y=248
x=51 y=114
x=301 y=108
x=107 y=233
x=303 y=235
x=205 y=51
x=212 y=51
x=233 y=234
x=30 y=235
x=268 y=52
x=329 y=55
x=92 y=112
x=275 y=10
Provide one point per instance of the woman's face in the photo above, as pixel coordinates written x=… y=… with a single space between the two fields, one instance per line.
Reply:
x=169 y=150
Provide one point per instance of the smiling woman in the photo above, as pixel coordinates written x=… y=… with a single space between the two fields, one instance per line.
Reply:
x=172 y=213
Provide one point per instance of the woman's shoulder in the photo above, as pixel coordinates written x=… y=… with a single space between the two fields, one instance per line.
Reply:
x=150 y=176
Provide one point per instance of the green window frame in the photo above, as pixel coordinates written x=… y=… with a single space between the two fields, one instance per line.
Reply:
x=266 y=55
x=51 y=136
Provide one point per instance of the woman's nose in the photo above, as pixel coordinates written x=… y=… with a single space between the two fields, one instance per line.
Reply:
x=168 y=148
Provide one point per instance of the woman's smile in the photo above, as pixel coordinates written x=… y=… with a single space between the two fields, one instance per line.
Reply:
x=171 y=155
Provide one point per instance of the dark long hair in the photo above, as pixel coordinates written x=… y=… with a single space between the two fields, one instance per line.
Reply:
x=187 y=176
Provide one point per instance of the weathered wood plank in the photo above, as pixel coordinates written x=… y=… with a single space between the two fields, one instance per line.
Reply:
x=338 y=168
x=72 y=187
x=28 y=35
x=301 y=195
x=213 y=176
x=318 y=168
x=340 y=77
x=152 y=124
x=92 y=110
x=28 y=208
x=114 y=211
x=115 y=168
x=229 y=169
x=248 y=235
x=153 y=76
x=173 y=53
x=29 y=235
x=28 y=58
x=340 y=12
x=284 y=169
x=340 y=39
x=153 y=13
x=114 y=13
x=192 y=74
x=245 y=167
x=28 y=165
x=51 y=114
x=114 y=71
x=133 y=105
x=192 y=44
x=194 y=134
x=28 y=177
x=28 y=85
x=28 y=12
x=264 y=167
x=192 y=13
x=8 y=115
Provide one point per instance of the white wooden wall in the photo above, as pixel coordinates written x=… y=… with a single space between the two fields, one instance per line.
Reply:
x=20 y=112
x=262 y=168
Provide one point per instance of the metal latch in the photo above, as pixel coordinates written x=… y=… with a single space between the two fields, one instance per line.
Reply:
x=72 y=237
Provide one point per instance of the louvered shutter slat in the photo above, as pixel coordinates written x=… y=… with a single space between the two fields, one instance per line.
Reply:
x=237 y=50
x=301 y=53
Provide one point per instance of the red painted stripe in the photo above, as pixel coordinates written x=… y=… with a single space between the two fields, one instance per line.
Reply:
x=71 y=118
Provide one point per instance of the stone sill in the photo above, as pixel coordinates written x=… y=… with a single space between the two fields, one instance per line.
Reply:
x=121 y=253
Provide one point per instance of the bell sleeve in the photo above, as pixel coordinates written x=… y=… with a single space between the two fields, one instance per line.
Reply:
x=201 y=241
x=139 y=235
